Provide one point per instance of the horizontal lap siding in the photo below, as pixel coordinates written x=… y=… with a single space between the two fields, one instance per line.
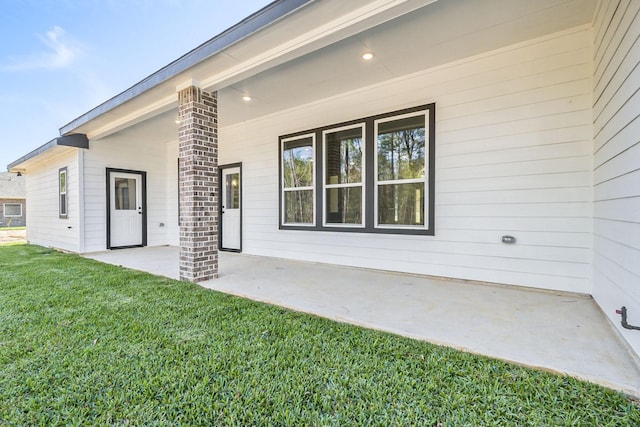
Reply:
x=171 y=163
x=44 y=225
x=514 y=156
x=123 y=152
x=616 y=116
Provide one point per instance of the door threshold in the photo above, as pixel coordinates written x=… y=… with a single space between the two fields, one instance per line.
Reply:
x=125 y=247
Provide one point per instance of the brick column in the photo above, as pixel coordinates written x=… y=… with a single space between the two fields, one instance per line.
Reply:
x=198 y=184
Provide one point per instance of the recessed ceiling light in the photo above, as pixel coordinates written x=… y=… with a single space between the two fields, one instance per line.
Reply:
x=246 y=98
x=368 y=56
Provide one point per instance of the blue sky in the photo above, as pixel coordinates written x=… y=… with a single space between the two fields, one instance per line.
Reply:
x=60 y=58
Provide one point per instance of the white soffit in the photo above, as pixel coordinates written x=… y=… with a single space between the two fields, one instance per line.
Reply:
x=314 y=53
x=437 y=34
x=316 y=25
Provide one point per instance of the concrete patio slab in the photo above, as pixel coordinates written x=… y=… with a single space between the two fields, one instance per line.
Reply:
x=553 y=331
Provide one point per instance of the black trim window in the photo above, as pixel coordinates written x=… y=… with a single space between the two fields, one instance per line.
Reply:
x=344 y=176
x=298 y=180
x=376 y=175
x=63 y=201
x=401 y=171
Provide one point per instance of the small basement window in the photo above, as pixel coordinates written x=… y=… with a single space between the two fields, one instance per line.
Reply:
x=12 y=210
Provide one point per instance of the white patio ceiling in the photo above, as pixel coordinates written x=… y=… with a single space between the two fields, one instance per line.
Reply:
x=434 y=33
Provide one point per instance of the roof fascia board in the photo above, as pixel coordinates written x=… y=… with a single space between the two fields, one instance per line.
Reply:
x=44 y=147
x=264 y=17
x=74 y=140
x=77 y=140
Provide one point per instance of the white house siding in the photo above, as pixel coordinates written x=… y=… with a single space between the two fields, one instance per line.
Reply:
x=172 y=229
x=125 y=152
x=616 y=180
x=514 y=140
x=44 y=225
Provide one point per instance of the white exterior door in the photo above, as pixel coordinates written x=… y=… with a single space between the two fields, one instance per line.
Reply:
x=231 y=208
x=125 y=206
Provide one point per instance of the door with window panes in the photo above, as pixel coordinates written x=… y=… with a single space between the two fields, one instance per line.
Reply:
x=126 y=209
x=231 y=218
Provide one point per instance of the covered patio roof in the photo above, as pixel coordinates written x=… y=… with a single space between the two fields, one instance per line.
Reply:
x=316 y=53
x=559 y=332
x=293 y=52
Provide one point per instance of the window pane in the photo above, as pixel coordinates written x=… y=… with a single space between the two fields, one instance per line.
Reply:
x=401 y=149
x=298 y=163
x=232 y=191
x=298 y=207
x=63 y=204
x=12 y=209
x=63 y=182
x=401 y=204
x=62 y=192
x=344 y=156
x=125 y=194
x=344 y=205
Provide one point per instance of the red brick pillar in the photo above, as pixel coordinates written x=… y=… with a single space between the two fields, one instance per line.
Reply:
x=198 y=184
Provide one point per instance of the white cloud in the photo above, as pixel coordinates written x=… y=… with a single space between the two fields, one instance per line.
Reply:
x=61 y=54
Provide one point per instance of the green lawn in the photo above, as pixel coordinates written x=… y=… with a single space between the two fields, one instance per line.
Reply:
x=83 y=343
x=12 y=243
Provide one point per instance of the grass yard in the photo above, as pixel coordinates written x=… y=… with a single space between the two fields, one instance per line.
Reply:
x=84 y=343
x=11 y=243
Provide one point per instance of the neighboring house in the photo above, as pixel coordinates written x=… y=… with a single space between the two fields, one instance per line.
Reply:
x=13 y=207
x=487 y=140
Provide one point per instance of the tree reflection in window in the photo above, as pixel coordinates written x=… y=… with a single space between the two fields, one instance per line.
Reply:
x=298 y=180
x=401 y=171
x=343 y=176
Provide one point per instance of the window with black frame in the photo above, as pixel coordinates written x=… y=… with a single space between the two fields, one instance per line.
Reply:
x=400 y=178
x=375 y=175
x=344 y=175
x=298 y=179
